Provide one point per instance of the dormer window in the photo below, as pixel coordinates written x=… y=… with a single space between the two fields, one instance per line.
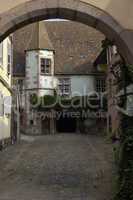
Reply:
x=45 y=66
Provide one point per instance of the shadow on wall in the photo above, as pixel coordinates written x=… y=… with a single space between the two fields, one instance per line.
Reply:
x=5 y=133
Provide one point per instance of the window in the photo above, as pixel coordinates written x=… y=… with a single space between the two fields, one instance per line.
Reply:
x=1 y=105
x=100 y=85
x=9 y=60
x=7 y=105
x=64 y=86
x=9 y=65
x=45 y=66
x=1 y=54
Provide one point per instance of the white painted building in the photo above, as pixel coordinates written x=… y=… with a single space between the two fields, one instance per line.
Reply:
x=56 y=62
x=5 y=90
x=40 y=72
x=40 y=77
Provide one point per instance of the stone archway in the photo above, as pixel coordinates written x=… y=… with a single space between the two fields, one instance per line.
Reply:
x=29 y=11
x=76 y=10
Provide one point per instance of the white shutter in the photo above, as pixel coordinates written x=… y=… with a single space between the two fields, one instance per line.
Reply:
x=7 y=105
x=1 y=53
x=9 y=57
x=1 y=105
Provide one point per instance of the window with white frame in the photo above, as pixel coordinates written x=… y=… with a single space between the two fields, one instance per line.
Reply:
x=1 y=53
x=1 y=105
x=9 y=58
x=64 y=86
x=45 y=65
x=100 y=85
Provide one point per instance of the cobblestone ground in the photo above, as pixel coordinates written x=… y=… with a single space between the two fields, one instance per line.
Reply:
x=60 y=167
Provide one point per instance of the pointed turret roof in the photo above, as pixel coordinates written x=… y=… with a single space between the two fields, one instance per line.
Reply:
x=44 y=39
x=76 y=45
x=39 y=38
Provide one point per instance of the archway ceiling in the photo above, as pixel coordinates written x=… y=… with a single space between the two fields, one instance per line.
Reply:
x=111 y=17
x=121 y=10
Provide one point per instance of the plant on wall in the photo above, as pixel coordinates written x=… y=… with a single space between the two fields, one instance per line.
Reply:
x=125 y=164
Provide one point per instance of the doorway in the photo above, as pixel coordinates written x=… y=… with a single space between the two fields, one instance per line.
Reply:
x=45 y=126
x=66 y=125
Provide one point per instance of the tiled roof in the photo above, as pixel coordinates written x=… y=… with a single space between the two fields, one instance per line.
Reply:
x=76 y=45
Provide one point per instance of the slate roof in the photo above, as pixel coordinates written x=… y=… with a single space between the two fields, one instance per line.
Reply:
x=76 y=45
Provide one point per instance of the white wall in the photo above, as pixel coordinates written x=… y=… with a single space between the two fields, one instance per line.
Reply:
x=82 y=85
x=5 y=120
x=31 y=70
x=34 y=79
x=45 y=81
x=3 y=66
x=5 y=116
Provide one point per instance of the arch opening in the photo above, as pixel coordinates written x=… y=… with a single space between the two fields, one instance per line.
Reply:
x=85 y=14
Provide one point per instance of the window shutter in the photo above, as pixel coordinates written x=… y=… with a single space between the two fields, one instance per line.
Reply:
x=1 y=105
x=7 y=105
x=1 y=53
x=9 y=57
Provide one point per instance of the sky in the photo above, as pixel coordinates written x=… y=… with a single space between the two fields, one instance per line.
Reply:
x=56 y=20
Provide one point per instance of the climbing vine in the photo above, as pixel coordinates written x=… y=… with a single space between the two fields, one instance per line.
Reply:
x=125 y=172
x=125 y=163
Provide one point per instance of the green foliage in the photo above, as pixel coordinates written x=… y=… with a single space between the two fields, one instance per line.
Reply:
x=125 y=173
x=33 y=99
x=129 y=69
x=125 y=165
x=48 y=100
x=106 y=43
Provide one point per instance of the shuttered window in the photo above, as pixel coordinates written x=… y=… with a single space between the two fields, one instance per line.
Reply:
x=1 y=105
x=9 y=58
x=7 y=105
x=1 y=54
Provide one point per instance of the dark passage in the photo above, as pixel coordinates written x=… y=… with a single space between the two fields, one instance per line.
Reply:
x=45 y=126
x=66 y=125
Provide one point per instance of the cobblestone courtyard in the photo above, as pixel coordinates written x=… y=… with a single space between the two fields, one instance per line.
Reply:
x=60 y=167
